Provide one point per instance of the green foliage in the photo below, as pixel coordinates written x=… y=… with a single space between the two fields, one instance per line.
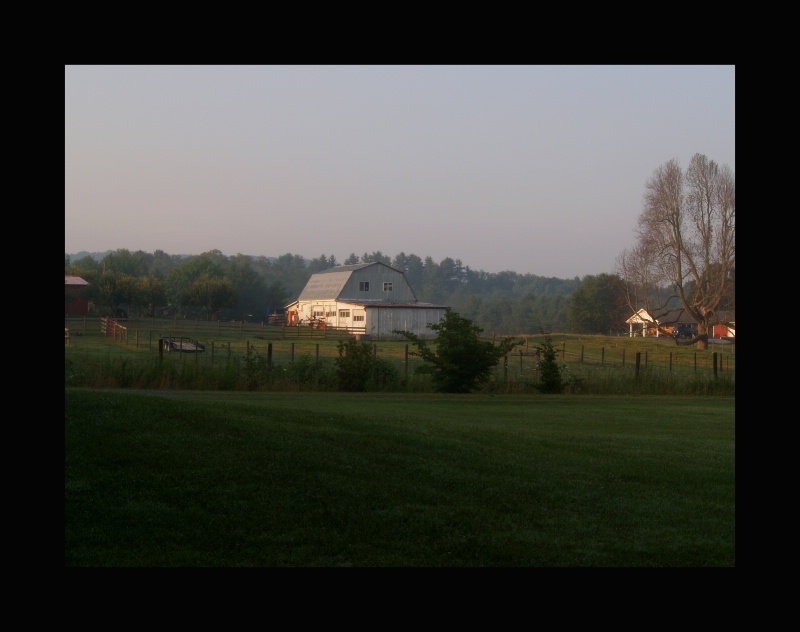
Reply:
x=458 y=360
x=550 y=377
x=256 y=370
x=309 y=373
x=598 y=305
x=210 y=293
x=358 y=369
x=385 y=375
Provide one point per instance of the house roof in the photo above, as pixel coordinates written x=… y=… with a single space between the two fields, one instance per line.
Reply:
x=329 y=283
x=382 y=304
x=74 y=280
x=641 y=316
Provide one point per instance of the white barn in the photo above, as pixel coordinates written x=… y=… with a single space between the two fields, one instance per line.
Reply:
x=371 y=299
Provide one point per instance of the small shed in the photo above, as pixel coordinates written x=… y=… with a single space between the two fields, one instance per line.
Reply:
x=76 y=300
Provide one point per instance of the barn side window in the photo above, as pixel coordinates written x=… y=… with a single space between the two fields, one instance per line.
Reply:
x=358 y=319
x=363 y=286
x=344 y=313
x=387 y=286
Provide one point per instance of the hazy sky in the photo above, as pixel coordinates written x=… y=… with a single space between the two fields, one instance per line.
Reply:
x=534 y=169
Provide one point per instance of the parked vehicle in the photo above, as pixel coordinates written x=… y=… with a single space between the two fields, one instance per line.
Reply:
x=683 y=331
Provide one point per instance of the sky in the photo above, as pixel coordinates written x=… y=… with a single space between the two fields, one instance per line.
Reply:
x=532 y=169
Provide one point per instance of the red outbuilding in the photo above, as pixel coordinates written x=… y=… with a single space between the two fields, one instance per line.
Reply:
x=76 y=301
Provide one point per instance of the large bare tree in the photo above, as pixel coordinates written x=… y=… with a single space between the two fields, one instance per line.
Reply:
x=685 y=256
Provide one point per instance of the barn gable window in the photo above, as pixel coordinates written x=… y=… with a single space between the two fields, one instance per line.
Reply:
x=363 y=286
x=387 y=286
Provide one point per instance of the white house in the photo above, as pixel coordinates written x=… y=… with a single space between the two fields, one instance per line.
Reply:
x=643 y=321
x=371 y=299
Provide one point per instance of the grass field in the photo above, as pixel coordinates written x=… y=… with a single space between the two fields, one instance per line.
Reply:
x=209 y=479
x=593 y=364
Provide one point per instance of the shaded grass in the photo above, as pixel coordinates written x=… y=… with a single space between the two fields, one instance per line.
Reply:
x=330 y=480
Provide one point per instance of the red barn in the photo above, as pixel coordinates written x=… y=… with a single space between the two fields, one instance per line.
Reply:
x=76 y=303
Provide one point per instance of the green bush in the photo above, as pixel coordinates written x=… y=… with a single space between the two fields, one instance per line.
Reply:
x=550 y=377
x=458 y=360
x=357 y=368
x=308 y=373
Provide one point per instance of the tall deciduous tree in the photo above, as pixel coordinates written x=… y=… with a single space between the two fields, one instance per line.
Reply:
x=598 y=306
x=248 y=284
x=181 y=278
x=686 y=243
x=150 y=293
x=211 y=294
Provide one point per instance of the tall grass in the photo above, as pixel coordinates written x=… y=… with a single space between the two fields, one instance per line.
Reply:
x=306 y=373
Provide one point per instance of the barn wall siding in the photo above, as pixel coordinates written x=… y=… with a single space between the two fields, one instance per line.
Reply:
x=376 y=276
x=382 y=321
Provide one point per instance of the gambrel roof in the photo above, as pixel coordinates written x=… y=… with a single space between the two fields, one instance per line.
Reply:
x=340 y=283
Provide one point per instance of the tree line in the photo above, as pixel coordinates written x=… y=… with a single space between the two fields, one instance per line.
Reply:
x=243 y=287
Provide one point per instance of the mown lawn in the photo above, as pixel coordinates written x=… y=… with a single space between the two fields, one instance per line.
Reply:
x=204 y=479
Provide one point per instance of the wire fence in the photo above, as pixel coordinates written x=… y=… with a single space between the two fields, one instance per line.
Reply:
x=217 y=342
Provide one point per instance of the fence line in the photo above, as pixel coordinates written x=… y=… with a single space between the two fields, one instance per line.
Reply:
x=229 y=341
